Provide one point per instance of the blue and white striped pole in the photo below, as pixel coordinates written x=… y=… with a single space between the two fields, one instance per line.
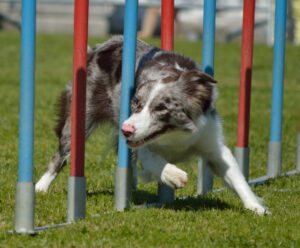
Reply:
x=274 y=156
x=205 y=177
x=24 y=218
x=123 y=172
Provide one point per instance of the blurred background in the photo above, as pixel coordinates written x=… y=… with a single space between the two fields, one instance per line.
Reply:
x=106 y=17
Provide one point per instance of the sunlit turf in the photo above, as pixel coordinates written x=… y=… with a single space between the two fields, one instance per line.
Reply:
x=217 y=220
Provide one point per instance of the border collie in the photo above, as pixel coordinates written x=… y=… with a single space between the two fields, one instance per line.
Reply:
x=173 y=117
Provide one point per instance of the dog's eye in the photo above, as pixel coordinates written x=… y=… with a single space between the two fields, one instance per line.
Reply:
x=136 y=105
x=160 y=107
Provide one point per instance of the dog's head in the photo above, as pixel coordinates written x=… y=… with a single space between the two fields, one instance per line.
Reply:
x=167 y=98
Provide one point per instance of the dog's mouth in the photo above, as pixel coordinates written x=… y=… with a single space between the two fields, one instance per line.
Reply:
x=149 y=138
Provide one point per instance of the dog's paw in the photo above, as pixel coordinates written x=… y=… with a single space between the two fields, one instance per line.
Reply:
x=174 y=177
x=258 y=209
x=41 y=187
x=44 y=183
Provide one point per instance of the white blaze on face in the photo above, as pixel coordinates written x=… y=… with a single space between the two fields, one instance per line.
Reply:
x=142 y=121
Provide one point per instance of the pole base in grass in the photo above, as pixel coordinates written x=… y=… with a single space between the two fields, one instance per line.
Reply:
x=274 y=159
x=123 y=185
x=25 y=200
x=205 y=178
x=76 y=198
x=242 y=155
x=165 y=194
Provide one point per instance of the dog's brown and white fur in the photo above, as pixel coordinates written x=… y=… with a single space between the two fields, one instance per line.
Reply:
x=173 y=117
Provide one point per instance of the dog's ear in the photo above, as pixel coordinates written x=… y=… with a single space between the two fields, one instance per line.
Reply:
x=197 y=76
x=198 y=87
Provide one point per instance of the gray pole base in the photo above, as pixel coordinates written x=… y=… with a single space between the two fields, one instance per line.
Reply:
x=242 y=157
x=274 y=159
x=298 y=153
x=25 y=199
x=76 y=198
x=205 y=178
x=123 y=184
x=165 y=194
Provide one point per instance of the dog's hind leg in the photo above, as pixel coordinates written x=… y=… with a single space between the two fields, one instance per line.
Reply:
x=54 y=166
x=59 y=159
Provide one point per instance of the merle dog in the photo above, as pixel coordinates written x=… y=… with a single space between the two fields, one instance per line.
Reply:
x=173 y=117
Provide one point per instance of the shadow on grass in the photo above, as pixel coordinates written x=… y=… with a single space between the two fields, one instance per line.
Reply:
x=197 y=203
x=142 y=197
x=138 y=196
x=186 y=204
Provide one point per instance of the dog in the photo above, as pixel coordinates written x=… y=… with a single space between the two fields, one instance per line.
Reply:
x=173 y=117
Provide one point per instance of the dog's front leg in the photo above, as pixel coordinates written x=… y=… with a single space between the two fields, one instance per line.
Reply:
x=155 y=168
x=224 y=164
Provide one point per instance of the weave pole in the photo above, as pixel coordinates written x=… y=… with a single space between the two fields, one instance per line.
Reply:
x=123 y=171
x=164 y=192
x=167 y=25
x=205 y=177
x=242 y=147
x=24 y=212
x=274 y=155
x=77 y=183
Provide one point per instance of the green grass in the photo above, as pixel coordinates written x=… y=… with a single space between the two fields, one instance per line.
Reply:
x=217 y=220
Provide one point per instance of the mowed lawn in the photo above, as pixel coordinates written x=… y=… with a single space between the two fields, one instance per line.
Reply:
x=216 y=220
